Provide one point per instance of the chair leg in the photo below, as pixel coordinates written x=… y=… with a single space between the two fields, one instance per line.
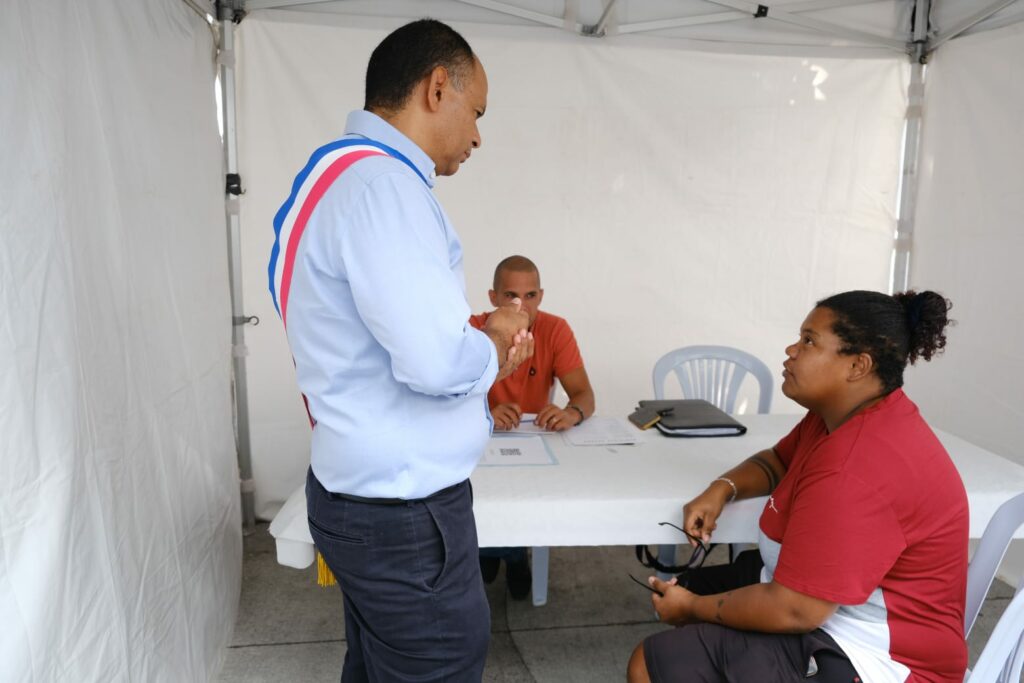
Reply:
x=667 y=557
x=539 y=563
x=1013 y=667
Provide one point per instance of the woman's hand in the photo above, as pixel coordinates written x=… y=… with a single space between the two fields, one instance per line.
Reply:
x=701 y=514
x=675 y=605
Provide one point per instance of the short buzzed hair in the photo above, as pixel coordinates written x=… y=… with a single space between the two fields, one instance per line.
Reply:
x=407 y=56
x=517 y=263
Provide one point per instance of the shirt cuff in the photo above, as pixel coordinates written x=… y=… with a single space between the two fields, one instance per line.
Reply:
x=490 y=373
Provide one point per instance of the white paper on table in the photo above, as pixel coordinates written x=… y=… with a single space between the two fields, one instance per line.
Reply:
x=526 y=426
x=602 y=431
x=523 y=450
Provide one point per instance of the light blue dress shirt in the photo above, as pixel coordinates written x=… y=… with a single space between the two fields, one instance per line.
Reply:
x=394 y=375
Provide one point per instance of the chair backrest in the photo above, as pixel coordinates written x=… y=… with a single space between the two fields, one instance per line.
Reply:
x=1001 y=660
x=994 y=542
x=557 y=394
x=713 y=373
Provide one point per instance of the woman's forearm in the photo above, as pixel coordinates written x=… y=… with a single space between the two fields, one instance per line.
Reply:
x=756 y=476
x=764 y=607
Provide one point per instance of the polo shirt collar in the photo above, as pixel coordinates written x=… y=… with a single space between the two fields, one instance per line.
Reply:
x=369 y=125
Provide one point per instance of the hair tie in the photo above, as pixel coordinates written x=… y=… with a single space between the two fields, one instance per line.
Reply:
x=914 y=307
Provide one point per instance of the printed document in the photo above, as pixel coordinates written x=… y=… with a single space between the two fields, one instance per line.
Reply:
x=512 y=451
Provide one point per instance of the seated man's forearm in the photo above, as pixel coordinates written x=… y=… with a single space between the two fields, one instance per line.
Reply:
x=584 y=400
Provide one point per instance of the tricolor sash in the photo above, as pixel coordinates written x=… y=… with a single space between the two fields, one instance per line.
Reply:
x=323 y=168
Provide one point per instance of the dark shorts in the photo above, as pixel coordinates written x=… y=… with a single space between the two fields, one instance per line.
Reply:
x=712 y=653
x=415 y=607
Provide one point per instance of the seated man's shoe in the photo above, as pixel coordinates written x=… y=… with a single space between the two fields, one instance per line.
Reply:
x=489 y=568
x=519 y=578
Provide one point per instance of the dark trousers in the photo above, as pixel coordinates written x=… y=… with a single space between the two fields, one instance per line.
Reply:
x=415 y=608
x=711 y=653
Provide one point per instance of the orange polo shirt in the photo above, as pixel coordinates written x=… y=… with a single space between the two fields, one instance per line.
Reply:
x=555 y=354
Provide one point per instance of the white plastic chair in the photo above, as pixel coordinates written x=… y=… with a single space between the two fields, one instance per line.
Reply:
x=715 y=374
x=1003 y=656
x=994 y=542
x=1001 y=660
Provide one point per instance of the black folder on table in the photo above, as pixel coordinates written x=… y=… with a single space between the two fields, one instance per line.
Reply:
x=686 y=417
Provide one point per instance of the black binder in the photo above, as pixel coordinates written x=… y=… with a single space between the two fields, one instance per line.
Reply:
x=686 y=417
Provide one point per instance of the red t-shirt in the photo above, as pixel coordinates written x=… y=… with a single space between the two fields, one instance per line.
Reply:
x=878 y=504
x=555 y=354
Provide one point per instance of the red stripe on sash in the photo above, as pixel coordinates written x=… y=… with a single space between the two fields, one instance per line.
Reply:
x=325 y=180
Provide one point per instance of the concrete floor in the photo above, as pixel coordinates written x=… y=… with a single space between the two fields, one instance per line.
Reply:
x=289 y=629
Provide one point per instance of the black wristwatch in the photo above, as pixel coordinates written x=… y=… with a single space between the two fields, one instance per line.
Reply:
x=579 y=410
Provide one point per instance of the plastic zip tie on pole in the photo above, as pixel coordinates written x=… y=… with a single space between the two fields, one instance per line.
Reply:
x=226 y=58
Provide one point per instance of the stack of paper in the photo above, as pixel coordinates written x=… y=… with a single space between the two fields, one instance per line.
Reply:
x=602 y=431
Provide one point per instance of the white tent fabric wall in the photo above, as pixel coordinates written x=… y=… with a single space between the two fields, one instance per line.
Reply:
x=968 y=240
x=670 y=197
x=120 y=539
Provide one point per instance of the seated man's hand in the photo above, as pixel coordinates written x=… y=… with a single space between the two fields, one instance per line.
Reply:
x=506 y=416
x=556 y=419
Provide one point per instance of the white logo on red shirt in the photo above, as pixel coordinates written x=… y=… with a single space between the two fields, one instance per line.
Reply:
x=771 y=504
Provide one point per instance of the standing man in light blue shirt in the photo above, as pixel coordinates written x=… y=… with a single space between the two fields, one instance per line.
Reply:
x=367 y=275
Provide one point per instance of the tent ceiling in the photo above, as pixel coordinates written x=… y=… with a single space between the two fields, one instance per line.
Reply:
x=856 y=24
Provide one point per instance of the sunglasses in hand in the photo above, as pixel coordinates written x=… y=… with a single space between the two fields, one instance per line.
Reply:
x=700 y=553
x=645 y=585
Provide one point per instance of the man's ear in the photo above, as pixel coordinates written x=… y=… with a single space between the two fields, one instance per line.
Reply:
x=494 y=297
x=862 y=366
x=436 y=83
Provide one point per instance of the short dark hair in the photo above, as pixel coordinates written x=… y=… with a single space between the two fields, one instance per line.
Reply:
x=519 y=264
x=407 y=56
x=894 y=330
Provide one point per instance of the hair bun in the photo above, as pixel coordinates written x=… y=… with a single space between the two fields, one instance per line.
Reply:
x=927 y=319
x=913 y=306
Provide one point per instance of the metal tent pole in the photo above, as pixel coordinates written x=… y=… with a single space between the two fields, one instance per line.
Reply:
x=911 y=151
x=226 y=60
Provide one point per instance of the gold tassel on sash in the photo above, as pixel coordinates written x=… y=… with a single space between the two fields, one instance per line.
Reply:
x=324 y=575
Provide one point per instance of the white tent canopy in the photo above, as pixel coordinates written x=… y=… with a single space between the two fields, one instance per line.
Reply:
x=793 y=26
x=683 y=172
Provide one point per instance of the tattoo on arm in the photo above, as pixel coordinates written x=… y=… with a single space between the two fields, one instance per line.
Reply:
x=718 y=611
x=773 y=479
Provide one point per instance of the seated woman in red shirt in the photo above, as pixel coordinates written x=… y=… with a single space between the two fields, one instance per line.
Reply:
x=861 y=568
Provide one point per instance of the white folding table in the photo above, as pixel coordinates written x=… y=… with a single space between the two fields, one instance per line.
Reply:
x=616 y=495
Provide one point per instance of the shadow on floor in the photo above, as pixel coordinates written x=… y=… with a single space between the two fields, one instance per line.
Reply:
x=289 y=629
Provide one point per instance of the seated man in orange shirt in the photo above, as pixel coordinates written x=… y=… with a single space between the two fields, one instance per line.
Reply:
x=528 y=389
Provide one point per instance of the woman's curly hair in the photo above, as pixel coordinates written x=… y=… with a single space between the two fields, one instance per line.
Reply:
x=893 y=330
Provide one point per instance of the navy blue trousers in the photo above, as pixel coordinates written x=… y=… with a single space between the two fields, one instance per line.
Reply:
x=415 y=607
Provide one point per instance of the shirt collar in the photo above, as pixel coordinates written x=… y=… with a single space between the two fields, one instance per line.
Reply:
x=890 y=398
x=369 y=125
